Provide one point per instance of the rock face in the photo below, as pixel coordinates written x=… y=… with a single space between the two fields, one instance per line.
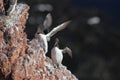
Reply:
x=20 y=58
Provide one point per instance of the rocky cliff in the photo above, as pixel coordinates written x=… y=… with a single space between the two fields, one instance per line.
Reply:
x=21 y=58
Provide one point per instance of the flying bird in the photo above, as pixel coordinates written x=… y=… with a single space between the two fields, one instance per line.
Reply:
x=44 y=38
x=44 y=23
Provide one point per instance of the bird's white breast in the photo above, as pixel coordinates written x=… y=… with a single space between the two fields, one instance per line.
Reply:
x=56 y=55
x=43 y=42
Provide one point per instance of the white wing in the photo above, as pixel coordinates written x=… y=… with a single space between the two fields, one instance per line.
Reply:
x=48 y=21
x=57 y=29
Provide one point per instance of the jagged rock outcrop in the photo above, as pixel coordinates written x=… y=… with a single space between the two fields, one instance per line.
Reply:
x=20 y=58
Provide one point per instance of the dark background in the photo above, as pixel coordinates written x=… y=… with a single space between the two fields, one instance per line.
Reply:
x=96 y=48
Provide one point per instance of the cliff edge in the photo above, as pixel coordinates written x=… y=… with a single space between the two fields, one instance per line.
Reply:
x=20 y=58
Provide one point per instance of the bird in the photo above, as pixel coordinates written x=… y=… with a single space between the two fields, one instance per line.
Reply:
x=44 y=24
x=43 y=7
x=57 y=53
x=93 y=20
x=45 y=38
x=9 y=6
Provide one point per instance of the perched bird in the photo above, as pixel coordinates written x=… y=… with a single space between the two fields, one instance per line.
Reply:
x=57 y=53
x=9 y=6
x=44 y=38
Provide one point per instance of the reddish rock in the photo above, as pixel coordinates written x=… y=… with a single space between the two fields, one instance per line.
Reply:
x=21 y=59
x=1 y=7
